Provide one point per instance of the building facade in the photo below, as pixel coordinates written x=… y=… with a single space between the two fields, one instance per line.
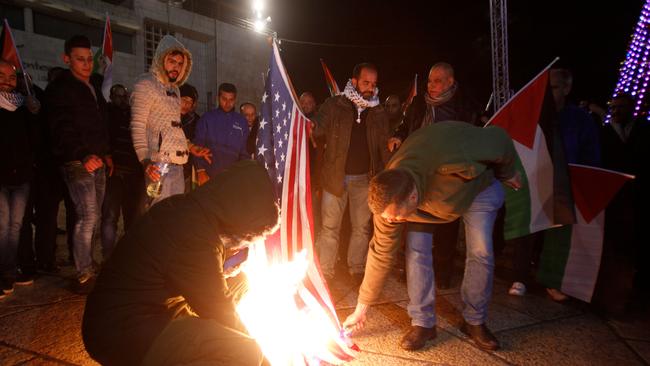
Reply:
x=223 y=48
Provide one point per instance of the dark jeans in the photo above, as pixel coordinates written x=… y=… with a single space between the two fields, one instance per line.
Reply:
x=125 y=194
x=87 y=193
x=13 y=200
x=49 y=190
x=526 y=250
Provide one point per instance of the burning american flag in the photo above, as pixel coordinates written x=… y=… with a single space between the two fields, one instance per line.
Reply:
x=300 y=326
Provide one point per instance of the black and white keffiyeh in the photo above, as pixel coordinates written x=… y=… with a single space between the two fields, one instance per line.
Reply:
x=11 y=100
x=351 y=93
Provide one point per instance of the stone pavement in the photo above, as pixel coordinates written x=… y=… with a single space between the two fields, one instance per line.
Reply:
x=40 y=325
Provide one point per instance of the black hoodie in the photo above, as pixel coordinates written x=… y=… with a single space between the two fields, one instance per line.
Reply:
x=172 y=258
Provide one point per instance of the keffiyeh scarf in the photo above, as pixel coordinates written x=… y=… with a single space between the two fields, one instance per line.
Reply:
x=11 y=100
x=443 y=98
x=351 y=93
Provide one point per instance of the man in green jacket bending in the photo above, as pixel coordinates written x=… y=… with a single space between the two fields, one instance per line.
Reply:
x=441 y=172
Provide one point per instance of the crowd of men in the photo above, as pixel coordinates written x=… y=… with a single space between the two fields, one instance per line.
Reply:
x=414 y=176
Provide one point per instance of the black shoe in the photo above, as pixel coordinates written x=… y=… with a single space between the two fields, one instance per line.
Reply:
x=24 y=279
x=481 y=336
x=417 y=337
x=7 y=286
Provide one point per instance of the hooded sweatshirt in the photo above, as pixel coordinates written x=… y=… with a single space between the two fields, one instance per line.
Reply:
x=172 y=260
x=156 y=109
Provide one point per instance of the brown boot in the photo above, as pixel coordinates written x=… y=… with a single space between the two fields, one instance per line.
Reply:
x=417 y=337
x=481 y=336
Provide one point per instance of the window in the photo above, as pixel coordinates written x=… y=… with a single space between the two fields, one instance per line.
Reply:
x=124 y=3
x=153 y=32
x=63 y=29
x=14 y=16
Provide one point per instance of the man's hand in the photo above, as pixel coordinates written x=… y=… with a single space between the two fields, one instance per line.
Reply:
x=109 y=165
x=201 y=152
x=357 y=320
x=394 y=143
x=33 y=105
x=203 y=177
x=514 y=182
x=151 y=170
x=92 y=163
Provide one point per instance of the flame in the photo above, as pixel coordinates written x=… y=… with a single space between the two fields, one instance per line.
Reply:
x=288 y=332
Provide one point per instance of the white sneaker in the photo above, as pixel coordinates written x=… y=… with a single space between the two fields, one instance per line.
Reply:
x=517 y=289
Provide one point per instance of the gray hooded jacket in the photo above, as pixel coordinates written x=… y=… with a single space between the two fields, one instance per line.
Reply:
x=156 y=109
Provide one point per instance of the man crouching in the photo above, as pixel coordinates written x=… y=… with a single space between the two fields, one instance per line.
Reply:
x=163 y=298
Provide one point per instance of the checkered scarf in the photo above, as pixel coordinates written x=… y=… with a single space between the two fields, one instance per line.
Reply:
x=11 y=100
x=351 y=93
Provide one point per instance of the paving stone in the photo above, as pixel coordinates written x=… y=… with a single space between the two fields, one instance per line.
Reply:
x=499 y=316
x=580 y=340
x=536 y=306
x=53 y=330
x=642 y=348
x=637 y=329
x=386 y=326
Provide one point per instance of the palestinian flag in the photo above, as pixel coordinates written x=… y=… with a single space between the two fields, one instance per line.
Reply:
x=571 y=254
x=103 y=60
x=545 y=199
x=412 y=93
x=329 y=79
x=8 y=50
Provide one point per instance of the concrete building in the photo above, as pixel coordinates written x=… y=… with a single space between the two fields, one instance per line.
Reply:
x=224 y=48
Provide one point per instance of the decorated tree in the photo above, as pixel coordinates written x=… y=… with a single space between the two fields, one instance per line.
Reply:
x=635 y=70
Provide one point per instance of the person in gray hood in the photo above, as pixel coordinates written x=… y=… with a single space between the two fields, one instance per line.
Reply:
x=156 y=115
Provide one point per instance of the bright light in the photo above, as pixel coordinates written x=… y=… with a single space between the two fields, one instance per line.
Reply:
x=289 y=332
x=258 y=6
x=259 y=25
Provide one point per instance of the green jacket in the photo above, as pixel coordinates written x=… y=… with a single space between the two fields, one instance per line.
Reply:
x=170 y=264
x=334 y=123
x=452 y=162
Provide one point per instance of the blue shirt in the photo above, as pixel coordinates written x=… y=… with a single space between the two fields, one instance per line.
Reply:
x=225 y=134
x=580 y=135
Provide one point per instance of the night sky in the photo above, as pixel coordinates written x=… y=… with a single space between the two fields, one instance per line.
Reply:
x=407 y=37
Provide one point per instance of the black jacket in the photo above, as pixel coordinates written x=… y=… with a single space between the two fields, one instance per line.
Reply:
x=121 y=144
x=17 y=146
x=458 y=108
x=172 y=260
x=78 y=121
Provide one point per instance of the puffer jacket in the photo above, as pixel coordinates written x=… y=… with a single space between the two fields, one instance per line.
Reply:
x=334 y=122
x=156 y=109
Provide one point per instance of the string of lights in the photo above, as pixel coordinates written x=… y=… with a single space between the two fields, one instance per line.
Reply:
x=635 y=70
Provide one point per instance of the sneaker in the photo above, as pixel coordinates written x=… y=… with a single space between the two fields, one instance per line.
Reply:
x=84 y=283
x=24 y=279
x=517 y=289
x=7 y=286
x=556 y=294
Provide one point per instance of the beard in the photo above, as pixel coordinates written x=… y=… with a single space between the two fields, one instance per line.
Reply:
x=367 y=95
x=170 y=77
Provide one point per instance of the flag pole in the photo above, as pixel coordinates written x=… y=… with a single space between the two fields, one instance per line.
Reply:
x=520 y=90
x=20 y=60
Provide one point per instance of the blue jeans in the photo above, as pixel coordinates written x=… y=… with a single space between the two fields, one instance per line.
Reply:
x=476 y=290
x=13 y=200
x=356 y=190
x=173 y=183
x=87 y=194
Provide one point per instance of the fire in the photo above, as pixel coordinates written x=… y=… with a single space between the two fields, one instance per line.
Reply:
x=288 y=330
